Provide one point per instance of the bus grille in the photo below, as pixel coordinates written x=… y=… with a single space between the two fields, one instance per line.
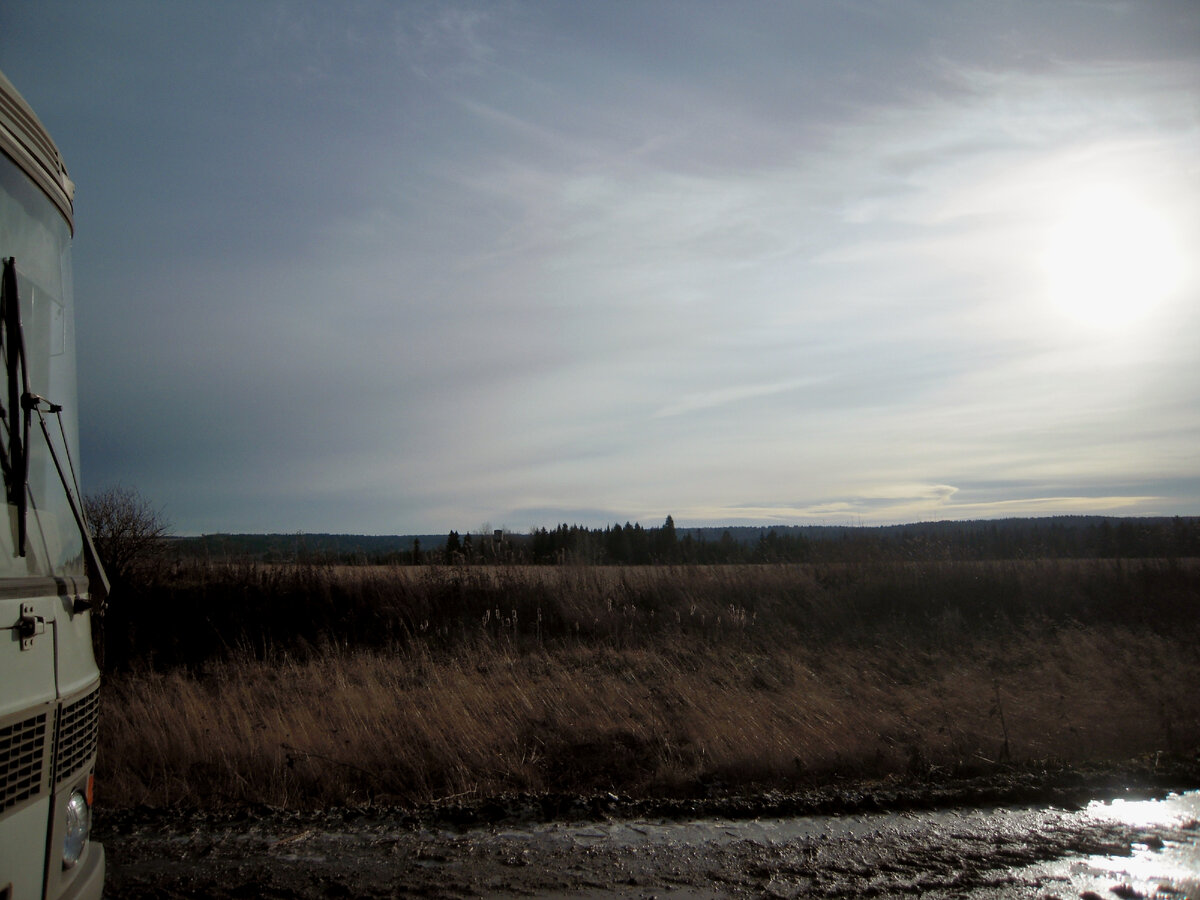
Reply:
x=22 y=760
x=76 y=735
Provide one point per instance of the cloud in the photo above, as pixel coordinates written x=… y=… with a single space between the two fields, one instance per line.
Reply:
x=899 y=510
x=709 y=399
x=443 y=40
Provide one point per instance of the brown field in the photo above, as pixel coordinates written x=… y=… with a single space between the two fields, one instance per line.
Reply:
x=327 y=685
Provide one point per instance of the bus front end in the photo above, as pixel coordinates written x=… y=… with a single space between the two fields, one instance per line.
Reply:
x=49 y=681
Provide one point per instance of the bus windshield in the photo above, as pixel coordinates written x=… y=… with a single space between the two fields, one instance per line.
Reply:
x=35 y=235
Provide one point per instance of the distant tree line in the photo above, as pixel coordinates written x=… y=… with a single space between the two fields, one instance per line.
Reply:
x=170 y=606
x=1060 y=537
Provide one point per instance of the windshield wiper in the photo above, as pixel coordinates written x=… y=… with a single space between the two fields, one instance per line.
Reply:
x=34 y=403
x=17 y=419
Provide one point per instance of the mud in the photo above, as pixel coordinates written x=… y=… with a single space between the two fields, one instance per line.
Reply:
x=1007 y=836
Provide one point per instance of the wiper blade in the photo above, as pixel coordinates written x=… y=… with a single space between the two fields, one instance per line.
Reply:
x=16 y=461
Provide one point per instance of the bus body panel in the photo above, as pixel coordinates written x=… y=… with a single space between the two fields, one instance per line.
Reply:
x=23 y=837
x=72 y=630
x=27 y=675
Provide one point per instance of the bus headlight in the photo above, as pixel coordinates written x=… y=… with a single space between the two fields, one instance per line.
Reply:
x=79 y=823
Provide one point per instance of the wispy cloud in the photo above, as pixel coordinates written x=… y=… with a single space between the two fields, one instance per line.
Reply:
x=722 y=396
x=443 y=41
x=899 y=510
x=472 y=262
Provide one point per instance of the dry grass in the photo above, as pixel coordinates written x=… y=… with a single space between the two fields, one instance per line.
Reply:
x=670 y=681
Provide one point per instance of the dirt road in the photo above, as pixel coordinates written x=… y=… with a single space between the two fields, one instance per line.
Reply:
x=605 y=847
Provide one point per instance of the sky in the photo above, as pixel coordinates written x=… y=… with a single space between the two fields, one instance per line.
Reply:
x=405 y=267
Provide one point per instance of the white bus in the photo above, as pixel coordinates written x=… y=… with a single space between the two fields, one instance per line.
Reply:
x=49 y=701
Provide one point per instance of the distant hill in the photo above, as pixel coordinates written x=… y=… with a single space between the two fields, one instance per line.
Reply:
x=287 y=547
x=946 y=527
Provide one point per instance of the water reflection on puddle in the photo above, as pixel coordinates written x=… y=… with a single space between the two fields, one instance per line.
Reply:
x=1166 y=864
x=1175 y=809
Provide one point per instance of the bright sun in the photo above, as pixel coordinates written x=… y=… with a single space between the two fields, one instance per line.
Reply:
x=1111 y=258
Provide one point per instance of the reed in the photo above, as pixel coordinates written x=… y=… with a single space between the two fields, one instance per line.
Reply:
x=412 y=685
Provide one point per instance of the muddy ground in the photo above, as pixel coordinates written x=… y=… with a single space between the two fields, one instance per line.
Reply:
x=1011 y=834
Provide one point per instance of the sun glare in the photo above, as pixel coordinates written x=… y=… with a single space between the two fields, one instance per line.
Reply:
x=1110 y=259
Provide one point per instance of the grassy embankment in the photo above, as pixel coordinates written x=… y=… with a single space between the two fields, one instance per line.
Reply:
x=307 y=686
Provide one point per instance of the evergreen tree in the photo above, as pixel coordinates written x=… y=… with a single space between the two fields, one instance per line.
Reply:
x=666 y=543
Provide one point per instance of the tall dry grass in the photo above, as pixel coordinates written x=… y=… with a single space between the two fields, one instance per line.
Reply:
x=474 y=682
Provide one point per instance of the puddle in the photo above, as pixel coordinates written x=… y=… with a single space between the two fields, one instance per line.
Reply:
x=1166 y=863
x=1118 y=849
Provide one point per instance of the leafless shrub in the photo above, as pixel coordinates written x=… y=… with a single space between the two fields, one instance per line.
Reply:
x=127 y=530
